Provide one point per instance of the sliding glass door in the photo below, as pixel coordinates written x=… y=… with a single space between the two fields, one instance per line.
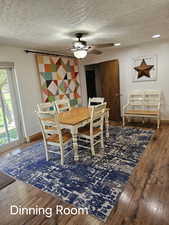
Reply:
x=10 y=130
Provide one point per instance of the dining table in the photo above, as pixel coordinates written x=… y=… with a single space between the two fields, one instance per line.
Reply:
x=79 y=117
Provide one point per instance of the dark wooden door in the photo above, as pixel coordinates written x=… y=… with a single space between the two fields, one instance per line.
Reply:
x=109 y=75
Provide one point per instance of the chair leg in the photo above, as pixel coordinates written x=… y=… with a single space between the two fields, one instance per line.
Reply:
x=102 y=140
x=46 y=151
x=107 y=124
x=123 y=121
x=143 y=121
x=92 y=146
x=62 y=154
x=158 y=123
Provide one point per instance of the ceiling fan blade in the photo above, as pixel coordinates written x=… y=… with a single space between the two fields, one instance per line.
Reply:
x=104 y=45
x=95 y=51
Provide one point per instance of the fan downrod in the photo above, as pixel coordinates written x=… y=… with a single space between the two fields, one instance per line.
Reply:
x=79 y=35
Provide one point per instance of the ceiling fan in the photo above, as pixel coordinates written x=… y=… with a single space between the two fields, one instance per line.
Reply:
x=80 y=48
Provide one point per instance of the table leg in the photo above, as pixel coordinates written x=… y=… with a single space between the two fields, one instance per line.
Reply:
x=107 y=123
x=75 y=145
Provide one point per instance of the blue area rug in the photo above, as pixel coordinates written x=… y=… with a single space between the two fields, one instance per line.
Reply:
x=95 y=183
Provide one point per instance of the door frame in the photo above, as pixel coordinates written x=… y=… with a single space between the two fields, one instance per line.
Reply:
x=110 y=60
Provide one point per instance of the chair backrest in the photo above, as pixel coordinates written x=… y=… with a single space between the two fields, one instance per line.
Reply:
x=50 y=126
x=95 y=101
x=62 y=105
x=46 y=106
x=97 y=116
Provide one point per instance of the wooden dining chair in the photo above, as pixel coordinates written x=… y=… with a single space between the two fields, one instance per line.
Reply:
x=95 y=101
x=62 y=105
x=52 y=133
x=95 y=128
x=46 y=106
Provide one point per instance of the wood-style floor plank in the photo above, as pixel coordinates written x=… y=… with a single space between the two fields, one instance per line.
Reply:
x=145 y=199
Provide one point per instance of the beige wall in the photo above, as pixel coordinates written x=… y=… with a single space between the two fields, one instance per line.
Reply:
x=126 y=55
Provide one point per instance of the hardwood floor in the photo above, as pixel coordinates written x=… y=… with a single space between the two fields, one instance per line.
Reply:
x=145 y=199
x=5 y=180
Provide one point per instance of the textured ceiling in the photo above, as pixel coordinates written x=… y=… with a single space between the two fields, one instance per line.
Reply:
x=49 y=25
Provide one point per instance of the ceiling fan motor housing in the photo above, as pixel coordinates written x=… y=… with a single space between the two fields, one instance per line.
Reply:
x=79 y=44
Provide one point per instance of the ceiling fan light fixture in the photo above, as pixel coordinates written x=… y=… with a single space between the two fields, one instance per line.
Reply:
x=80 y=53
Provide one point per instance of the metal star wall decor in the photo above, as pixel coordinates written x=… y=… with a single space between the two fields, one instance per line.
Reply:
x=143 y=69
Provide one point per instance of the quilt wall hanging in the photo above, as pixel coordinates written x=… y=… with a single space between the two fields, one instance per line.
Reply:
x=145 y=68
x=59 y=78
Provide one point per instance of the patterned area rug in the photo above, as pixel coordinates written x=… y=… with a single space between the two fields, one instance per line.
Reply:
x=95 y=183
